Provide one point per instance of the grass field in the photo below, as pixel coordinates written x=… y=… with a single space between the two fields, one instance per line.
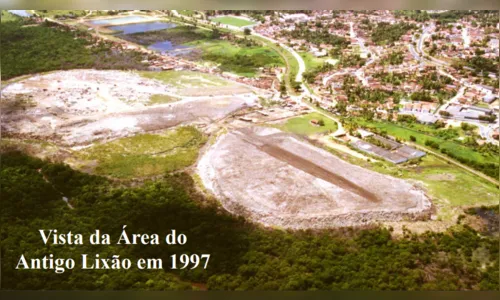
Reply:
x=302 y=125
x=161 y=99
x=312 y=61
x=232 y=21
x=146 y=154
x=243 y=61
x=449 y=186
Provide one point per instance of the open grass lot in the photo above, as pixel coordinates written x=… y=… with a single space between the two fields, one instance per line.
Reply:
x=232 y=21
x=186 y=79
x=449 y=186
x=162 y=99
x=453 y=184
x=241 y=60
x=302 y=125
x=312 y=61
x=147 y=154
x=453 y=147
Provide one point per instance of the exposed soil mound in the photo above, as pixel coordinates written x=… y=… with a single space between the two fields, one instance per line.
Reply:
x=273 y=178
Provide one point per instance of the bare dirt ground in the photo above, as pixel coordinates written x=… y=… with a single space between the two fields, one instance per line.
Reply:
x=74 y=108
x=275 y=179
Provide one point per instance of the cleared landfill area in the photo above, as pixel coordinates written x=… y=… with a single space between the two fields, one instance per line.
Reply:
x=276 y=179
x=78 y=107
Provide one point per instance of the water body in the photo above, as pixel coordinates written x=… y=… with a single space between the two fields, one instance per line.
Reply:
x=21 y=13
x=142 y=27
x=114 y=21
x=169 y=48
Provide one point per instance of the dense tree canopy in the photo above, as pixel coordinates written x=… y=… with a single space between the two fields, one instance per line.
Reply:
x=243 y=256
x=386 y=33
x=47 y=47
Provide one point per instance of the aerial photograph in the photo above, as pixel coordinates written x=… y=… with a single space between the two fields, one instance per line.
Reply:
x=249 y=150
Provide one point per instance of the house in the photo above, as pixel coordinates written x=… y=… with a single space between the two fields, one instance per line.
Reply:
x=364 y=133
x=489 y=98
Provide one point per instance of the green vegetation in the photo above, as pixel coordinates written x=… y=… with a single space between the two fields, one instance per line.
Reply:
x=8 y=17
x=58 y=14
x=315 y=66
x=146 y=154
x=386 y=33
x=292 y=66
x=242 y=56
x=302 y=125
x=452 y=186
x=449 y=186
x=178 y=35
x=356 y=92
x=393 y=58
x=265 y=102
x=292 y=69
x=392 y=78
x=317 y=37
x=485 y=161
x=232 y=21
x=312 y=61
x=161 y=99
x=243 y=256
x=186 y=79
x=243 y=61
x=188 y=13
x=416 y=15
x=47 y=47
x=352 y=60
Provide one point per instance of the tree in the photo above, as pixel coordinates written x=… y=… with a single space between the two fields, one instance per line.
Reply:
x=283 y=88
x=247 y=31
x=412 y=138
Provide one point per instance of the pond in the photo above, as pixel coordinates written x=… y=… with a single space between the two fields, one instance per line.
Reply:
x=167 y=47
x=142 y=27
x=114 y=21
x=21 y=13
